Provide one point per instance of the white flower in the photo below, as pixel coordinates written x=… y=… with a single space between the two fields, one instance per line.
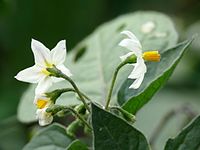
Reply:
x=44 y=58
x=133 y=44
x=43 y=103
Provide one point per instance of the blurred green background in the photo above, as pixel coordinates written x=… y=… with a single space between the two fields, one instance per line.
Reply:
x=50 y=21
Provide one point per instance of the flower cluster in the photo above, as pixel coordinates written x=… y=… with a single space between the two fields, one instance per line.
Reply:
x=49 y=68
x=44 y=58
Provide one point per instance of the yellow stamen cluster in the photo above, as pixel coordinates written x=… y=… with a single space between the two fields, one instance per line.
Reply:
x=151 y=56
x=41 y=103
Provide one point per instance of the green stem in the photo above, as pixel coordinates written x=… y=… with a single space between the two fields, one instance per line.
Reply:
x=79 y=117
x=56 y=108
x=113 y=82
x=76 y=89
x=64 y=90
x=57 y=73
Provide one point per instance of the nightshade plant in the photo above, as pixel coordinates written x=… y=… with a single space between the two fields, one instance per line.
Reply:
x=99 y=95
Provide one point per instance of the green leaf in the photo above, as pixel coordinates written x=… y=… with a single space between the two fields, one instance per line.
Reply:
x=13 y=134
x=77 y=145
x=93 y=61
x=157 y=74
x=113 y=133
x=52 y=137
x=188 y=139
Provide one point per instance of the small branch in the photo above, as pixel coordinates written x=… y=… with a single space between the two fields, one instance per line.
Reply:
x=113 y=83
x=57 y=73
x=79 y=117
x=77 y=90
x=56 y=108
x=64 y=90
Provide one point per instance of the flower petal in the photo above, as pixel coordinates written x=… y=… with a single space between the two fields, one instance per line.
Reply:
x=58 y=53
x=43 y=117
x=126 y=56
x=136 y=84
x=55 y=79
x=41 y=53
x=139 y=69
x=132 y=46
x=130 y=35
x=43 y=85
x=30 y=75
x=64 y=70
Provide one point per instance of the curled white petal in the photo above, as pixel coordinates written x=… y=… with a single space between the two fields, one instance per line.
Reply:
x=64 y=70
x=124 y=57
x=31 y=75
x=136 y=84
x=131 y=36
x=58 y=53
x=43 y=117
x=55 y=79
x=43 y=85
x=41 y=53
x=138 y=73
x=139 y=69
x=132 y=46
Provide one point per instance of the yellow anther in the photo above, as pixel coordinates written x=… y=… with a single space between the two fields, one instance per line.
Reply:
x=151 y=56
x=41 y=103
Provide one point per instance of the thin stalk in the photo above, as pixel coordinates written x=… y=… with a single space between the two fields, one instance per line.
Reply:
x=73 y=90
x=79 y=117
x=76 y=89
x=57 y=108
x=113 y=83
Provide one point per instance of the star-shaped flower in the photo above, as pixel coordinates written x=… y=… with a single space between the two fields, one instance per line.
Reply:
x=44 y=58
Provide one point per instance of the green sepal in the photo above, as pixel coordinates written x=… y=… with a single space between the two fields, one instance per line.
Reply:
x=54 y=109
x=54 y=95
x=80 y=109
x=131 y=59
x=54 y=71
x=72 y=127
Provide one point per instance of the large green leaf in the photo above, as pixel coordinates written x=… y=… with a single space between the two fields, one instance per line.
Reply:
x=77 y=145
x=13 y=135
x=156 y=76
x=98 y=55
x=113 y=133
x=188 y=139
x=52 y=137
